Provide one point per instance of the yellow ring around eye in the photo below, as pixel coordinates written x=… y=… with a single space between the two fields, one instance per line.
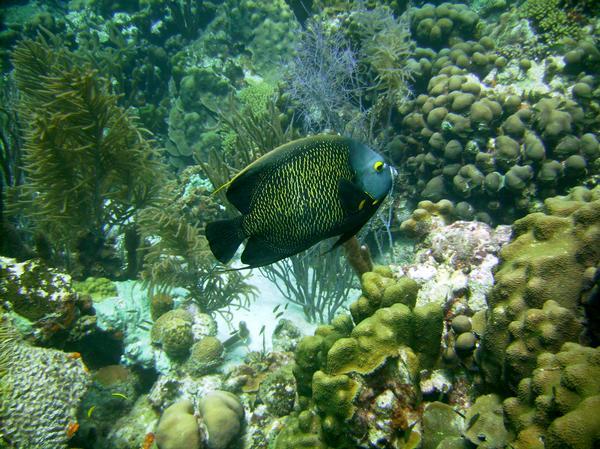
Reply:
x=378 y=166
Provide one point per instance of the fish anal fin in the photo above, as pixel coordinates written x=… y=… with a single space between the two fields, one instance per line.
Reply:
x=257 y=253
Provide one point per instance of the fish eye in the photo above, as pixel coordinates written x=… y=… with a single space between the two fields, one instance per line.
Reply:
x=378 y=166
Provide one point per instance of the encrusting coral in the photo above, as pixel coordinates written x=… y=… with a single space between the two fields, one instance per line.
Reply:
x=339 y=366
x=40 y=294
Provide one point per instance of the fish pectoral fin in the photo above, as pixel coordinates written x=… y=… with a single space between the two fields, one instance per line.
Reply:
x=257 y=253
x=352 y=197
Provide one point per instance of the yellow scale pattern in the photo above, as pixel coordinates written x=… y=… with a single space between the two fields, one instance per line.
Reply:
x=303 y=188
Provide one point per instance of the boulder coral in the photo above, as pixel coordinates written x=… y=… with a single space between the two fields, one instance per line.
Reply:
x=205 y=356
x=560 y=403
x=534 y=305
x=173 y=332
x=436 y=25
x=178 y=428
x=222 y=414
x=474 y=119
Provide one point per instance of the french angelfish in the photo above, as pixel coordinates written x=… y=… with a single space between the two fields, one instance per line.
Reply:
x=298 y=194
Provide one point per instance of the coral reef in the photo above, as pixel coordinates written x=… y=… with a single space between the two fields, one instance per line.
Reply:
x=551 y=19
x=340 y=365
x=97 y=288
x=222 y=414
x=205 y=356
x=41 y=295
x=179 y=255
x=469 y=338
x=134 y=428
x=173 y=333
x=479 y=130
x=453 y=262
x=436 y=25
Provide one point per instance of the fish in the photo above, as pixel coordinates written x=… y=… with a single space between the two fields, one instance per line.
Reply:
x=299 y=194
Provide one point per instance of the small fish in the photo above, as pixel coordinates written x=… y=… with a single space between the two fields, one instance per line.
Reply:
x=299 y=194
x=72 y=429
x=90 y=411
x=276 y=308
x=119 y=395
x=473 y=420
x=148 y=440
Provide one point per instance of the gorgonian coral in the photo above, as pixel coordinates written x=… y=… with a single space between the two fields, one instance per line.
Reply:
x=323 y=77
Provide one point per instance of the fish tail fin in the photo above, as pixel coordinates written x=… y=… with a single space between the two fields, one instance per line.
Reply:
x=224 y=237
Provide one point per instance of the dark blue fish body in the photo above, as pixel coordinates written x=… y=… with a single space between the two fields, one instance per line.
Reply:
x=299 y=194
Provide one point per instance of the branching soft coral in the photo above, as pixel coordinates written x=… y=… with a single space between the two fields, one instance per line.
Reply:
x=179 y=256
x=388 y=50
x=89 y=167
x=323 y=78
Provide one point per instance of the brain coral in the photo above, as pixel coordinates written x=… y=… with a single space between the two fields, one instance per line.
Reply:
x=41 y=389
x=542 y=268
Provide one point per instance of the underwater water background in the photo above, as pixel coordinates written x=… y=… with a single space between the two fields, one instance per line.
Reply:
x=461 y=306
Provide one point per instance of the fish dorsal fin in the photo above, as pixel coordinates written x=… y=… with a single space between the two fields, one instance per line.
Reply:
x=241 y=188
x=352 y=197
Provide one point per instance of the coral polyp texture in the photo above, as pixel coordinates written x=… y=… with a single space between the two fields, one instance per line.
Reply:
x=559 y=404
x=498 y=133
x=41 y=389
x=535 y=303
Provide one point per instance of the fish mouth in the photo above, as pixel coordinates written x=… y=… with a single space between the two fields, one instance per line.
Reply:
x=394 y=171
